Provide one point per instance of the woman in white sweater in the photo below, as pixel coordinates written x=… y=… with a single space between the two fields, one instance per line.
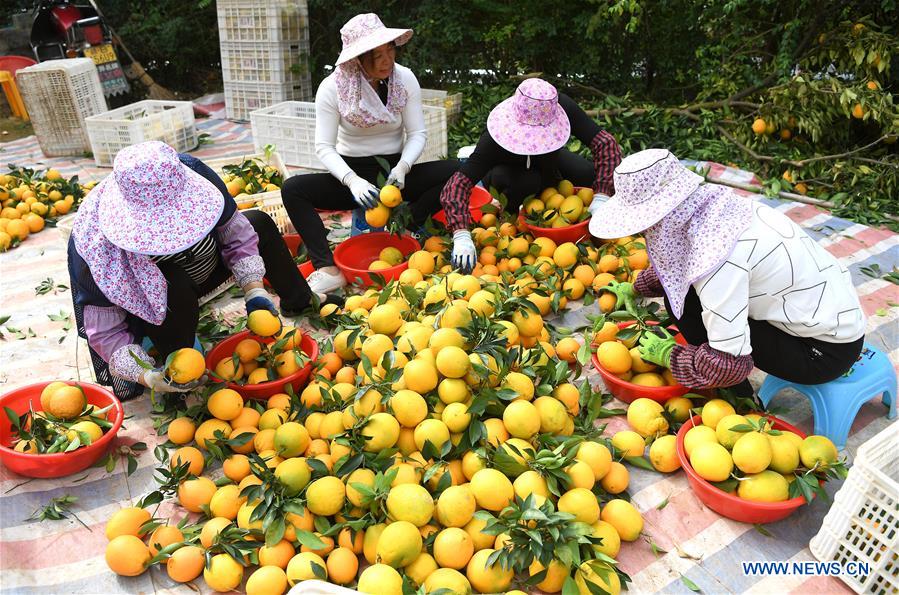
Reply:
x=368 y=108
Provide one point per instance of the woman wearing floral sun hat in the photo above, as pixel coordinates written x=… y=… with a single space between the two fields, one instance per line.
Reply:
x=368 y=109
x=523 y=152
x=150 y=239
x=745 y=285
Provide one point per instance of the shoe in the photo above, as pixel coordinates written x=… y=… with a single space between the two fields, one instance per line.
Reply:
x=321 y=281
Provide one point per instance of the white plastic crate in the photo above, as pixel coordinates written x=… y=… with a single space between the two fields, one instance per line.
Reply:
x=59 y=95
x=266 y=62
x=243 y=98
x=435 y=98
x=263 y=20
x=435 y=123
x=862 y=525
x=269 y=202
x=290 y=128
x=171 y=122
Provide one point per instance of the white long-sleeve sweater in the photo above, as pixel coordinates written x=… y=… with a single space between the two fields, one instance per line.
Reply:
x=334 y=136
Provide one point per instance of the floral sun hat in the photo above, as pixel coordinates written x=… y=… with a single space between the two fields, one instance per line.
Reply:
x=648 y=185
x=153 y=204
x=365 y=32
x=531 y=122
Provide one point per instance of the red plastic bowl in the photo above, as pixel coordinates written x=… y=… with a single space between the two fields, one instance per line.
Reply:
x=479 y=198
x=628 y=391
x=264 y=390
x=353 y=255
x=560 y=235
x=730 y=506
x=57 y=464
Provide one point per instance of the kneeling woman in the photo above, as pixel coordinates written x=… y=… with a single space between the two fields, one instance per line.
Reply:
x=522 y=152
x=368 y=110
x=746 y=286
x=149 y=241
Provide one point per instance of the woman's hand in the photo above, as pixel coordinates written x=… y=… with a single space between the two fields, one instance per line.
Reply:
x=626 y=296
x=257 y=298
x=397 y=176
x=364 y=192
x=656 y=349
x=157 y=381
x=465 y=255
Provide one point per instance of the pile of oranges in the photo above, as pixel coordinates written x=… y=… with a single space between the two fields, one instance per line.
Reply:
x=438 y=417
x=29 y=198
x=558 y=207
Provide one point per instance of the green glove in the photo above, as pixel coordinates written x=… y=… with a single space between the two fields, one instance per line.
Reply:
x=625 y=294
x=656 y=349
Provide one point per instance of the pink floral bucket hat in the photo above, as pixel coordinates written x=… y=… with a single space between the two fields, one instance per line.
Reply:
x=365 y=32
x=648 y=185
x=531 y=122
x=153 y=204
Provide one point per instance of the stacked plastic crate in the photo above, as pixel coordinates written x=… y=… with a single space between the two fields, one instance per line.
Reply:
x=59 y=95
x=265 y=53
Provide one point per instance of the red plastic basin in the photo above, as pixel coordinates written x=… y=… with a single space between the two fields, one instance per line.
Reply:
x=628 y=391
x=730 y=506
x=560 y=235
x=294 y=241
x=353 y=255
x=56 y=464
x=12 y=64
x=479 y=198
x=264 y=390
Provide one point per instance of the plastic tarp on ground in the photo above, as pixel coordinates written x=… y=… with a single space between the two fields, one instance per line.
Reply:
x=692 y=541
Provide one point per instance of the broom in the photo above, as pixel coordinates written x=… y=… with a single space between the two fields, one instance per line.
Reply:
x=135 y=70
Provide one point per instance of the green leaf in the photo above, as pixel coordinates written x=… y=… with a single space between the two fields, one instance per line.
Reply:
x=762 y=530
x=641 y=462
x=690 y=584
x=318 y=571
x=310 y=540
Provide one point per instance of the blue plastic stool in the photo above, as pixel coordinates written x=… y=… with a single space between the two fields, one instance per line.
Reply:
x=836 y=403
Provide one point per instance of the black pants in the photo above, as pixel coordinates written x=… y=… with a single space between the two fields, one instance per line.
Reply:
x=180 y=324
x=518 y=183
x=797 y=359
x=304 y=193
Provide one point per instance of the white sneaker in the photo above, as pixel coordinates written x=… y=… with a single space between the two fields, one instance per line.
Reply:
x=325 y=281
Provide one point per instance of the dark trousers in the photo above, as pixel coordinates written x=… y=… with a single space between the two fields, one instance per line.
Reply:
x=180 y=324
x=797 y=359
x=304 y=193
x=518 y=183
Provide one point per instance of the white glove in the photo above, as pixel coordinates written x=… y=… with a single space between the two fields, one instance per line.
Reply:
x=397 y=175
x=364 y=192
x=465 y=255
x=155 y=380
x=598 y=201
